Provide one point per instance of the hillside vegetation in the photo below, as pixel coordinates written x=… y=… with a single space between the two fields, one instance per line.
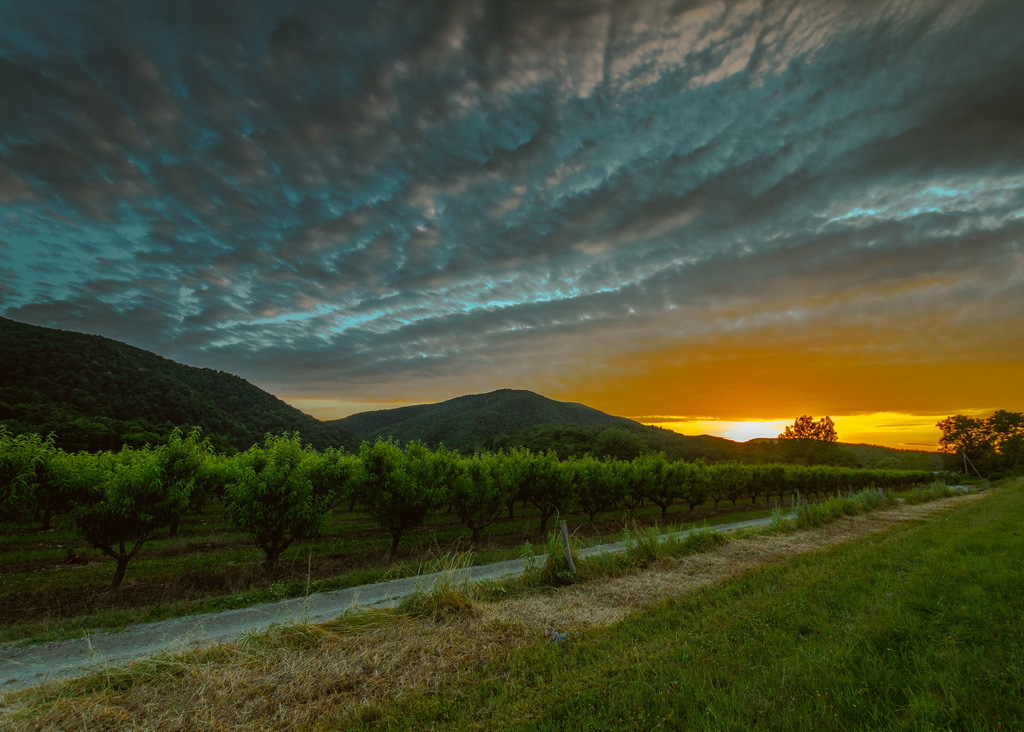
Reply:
x=94 y=393
x=467 y=422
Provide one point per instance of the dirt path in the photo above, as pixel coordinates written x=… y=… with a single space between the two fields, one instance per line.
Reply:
x=383 y=661
x=21 y=667
x=303 y=677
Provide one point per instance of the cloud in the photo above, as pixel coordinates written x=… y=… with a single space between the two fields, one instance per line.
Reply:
x=378 y=199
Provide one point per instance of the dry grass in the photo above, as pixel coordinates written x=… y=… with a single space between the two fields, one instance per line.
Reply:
x=310 y=677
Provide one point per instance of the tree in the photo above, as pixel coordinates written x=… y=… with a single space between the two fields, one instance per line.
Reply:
x=593 y=485
x=20 y=456
x=272 y=496
x=810 y=442
x=544 y=482
x=336 y=475
x=656 y=483
x=618 y=444
x=396 y=487
x=122 y=502
x=54 y=485
x=181 y=461
x=692 y=481
x=481 y=489
x=727 y=482
x=806 y=428
x=991 y=444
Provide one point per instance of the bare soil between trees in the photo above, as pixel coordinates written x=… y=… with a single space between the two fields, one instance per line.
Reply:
x=407 y=653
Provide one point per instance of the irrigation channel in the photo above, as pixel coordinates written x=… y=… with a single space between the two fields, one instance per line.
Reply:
x=21 y=667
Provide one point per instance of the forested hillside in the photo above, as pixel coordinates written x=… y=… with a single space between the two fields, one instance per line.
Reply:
x=468 y=422
x=95 y=393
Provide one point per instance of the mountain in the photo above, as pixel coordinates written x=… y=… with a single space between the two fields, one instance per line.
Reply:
x=510 y=418
x=468 y=422
x=95 y=393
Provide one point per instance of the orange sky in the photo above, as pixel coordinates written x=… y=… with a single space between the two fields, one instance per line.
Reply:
x=753 y=384
x=724 y=386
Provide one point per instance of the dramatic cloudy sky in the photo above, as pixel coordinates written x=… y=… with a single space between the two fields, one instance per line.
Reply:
x=693 y=213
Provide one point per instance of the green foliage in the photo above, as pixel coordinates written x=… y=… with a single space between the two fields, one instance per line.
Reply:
x=728 y=481
x=336 y=475
x=20 y=457
x=272 y=498
x=543 y=481
x=593 y=486
x=993 y=445
x=481 y=488
x=124 y=502
x=398 y=489
x=692 y=482
x=618 y=444
x=654 y=482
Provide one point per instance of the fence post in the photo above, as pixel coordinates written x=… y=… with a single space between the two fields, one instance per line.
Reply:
x=565 y=543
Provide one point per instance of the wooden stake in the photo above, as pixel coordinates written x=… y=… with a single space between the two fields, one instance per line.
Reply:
x=565 y=543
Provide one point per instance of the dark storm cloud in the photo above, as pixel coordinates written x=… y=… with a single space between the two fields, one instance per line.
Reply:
x=357 y=192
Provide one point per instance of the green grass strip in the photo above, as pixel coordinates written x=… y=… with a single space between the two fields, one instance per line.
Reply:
x=918 y=628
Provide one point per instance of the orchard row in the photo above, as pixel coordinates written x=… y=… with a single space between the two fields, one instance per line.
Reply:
x=282 y=491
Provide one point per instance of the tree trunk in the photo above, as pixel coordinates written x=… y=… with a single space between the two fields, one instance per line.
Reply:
x=396 y=537
x=173 y=526
x=544 y=516
x=122 y=565
x=47 y=515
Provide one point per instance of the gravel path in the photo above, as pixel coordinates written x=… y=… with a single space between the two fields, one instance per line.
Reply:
x=21 y=667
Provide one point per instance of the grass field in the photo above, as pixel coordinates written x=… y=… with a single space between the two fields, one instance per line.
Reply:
x=915 y=629
x=915 y=626
x=211 y=566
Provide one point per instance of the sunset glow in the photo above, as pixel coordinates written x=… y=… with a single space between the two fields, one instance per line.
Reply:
x=904 y=431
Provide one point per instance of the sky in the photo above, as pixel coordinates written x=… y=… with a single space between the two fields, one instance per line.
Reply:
x=711 y=216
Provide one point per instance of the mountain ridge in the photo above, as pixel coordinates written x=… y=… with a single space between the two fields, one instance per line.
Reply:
x=96 y=393
x=464 y=422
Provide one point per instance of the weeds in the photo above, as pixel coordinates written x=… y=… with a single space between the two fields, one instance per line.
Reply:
x=446 y=595
x=936 y=490
x=555 y=571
